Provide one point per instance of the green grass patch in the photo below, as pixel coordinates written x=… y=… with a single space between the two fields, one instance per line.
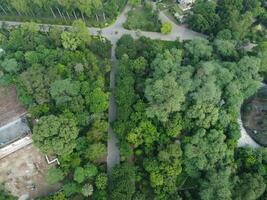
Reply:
x=143 y=18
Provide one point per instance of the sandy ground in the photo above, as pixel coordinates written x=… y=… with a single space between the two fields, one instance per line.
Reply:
x=23 y=173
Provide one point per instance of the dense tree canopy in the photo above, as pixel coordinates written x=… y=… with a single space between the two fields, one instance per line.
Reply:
x=66 y=94
x=96 y=12
x=241 y=17
x=55 y=135
x=178 y=124
x=178 y=102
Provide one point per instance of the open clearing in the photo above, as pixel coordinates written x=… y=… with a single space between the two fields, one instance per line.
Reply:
x=23 y=173
x=255 y=116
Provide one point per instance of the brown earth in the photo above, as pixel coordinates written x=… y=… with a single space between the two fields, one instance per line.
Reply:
x=10 y=108
x=23 y=173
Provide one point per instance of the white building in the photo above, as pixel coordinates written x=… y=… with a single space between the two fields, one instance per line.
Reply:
x=186 y=4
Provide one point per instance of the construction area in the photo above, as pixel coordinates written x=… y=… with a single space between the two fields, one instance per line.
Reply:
x=23 y=172
x=14 y=129
x=22 y=166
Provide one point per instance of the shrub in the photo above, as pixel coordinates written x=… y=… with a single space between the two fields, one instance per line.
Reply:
x=166 y=28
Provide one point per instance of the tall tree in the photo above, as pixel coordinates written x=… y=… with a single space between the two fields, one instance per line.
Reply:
x=55 y=135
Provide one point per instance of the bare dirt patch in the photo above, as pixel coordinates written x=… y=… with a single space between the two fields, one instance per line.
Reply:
x=10 y=108
x=23 y=173
x=254 y=116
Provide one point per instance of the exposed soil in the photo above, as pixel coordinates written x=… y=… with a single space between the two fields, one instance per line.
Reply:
x=23 y=173
x=10 y=108
x=254 y=116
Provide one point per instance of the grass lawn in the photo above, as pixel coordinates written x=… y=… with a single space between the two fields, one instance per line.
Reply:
x=143 y=18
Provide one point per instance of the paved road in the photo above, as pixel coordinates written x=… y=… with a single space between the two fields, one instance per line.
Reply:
x=245 y=139
x=113 y=33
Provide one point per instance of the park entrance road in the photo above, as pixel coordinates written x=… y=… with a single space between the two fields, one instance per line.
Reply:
x=113 y=33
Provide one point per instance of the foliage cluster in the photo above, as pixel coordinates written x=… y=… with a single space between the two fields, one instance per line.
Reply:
x=94 y=12
x=60 y=77
x=177 y=125
x=240 y=17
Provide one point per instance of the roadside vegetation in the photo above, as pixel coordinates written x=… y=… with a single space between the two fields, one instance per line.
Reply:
x=61 y=77
x=177 y=125
x=178 y=103
x=166 y=28
x=94 y=13
x=142 y=17
x=242 y=18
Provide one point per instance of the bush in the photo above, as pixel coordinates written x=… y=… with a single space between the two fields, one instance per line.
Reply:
x=166 y=28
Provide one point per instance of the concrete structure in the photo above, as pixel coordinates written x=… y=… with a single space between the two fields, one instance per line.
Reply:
x=15 y=146
x=14 y=130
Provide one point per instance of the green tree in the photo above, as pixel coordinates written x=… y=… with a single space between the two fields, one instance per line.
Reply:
x=10 y=65
x=101 y=181
x=249 y=187
x=77 y=36
x=20 y=6
x=90 y=170
x=69 y=42
x=79 y=175
x=96 y=152
x=70 y=188
x=262 y=55
x=204 y=17
x=164 y=169
x=98 y=100
x=146 y=133
x=126 y=45
x=226 y=49
x=162 y=91
x=57 y=196
x=135 y=2
x=204 y=150
x=55 y=135
x=123 y=182
x=80 y=31
x=198 y=49
x=35 y=82
x=63 y=91
x=87 y=190
x=165 y=96
x=4 y=195
x=31 y=57
x=216 y=185
x=54 y=175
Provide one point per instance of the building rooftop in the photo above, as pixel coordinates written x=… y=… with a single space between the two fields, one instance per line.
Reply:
x=13 y=131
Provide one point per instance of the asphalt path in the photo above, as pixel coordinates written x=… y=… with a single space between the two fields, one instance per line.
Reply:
x=113 y=33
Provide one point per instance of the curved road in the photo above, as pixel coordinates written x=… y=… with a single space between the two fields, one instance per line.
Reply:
x=113 y=33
